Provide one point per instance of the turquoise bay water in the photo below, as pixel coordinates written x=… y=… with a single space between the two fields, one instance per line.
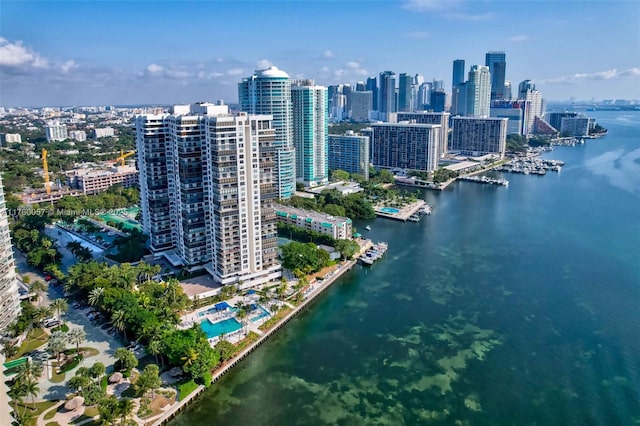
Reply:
x=506 y=306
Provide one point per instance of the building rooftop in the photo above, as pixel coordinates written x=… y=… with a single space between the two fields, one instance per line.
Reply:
x=271 y=72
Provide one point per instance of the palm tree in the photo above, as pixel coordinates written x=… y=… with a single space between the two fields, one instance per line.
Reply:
x=190 y=357
x=95 y=296
x=60 y=305
x=125 y=408
x=29 y=371
x=119 y=319
x=242 y=315
x=41 y=313
x=37 y=287
x=31 y=388
x=73 y=247
x=77 y=336
x=154 y=348
x=57 y=344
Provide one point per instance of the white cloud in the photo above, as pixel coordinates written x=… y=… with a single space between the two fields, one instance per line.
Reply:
x=353 y=65
x=263 y=64
x=154 y=68
x=327 y=54
x=471 y=17
x=17 y=55
x=215 y=75
x=178 y=74
x=417 y=34
x=235 y=71
x=338 y=73
x=519 y=38
x=325 y=70
x=601 y=75
x=201 y=74
x=426 y=5
x=68 y=65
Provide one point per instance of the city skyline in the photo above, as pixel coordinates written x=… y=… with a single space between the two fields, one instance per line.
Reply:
x=178 y=53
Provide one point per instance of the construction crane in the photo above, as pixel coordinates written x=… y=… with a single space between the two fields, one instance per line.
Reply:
x=47 y=187
x=123 y=156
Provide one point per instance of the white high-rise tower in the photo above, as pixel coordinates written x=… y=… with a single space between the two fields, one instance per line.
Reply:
x=9 y=296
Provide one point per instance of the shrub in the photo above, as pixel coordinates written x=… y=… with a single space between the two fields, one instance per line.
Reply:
x=71 y=364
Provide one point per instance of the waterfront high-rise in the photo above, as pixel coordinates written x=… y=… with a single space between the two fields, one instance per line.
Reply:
x=497 y=63
x=9 y=296
x=310 y=130
x=405 y=82
x=527 y=92
x=386 y=94
x=349 y=152
x=207 y=186
x=406 y=146
x=268 y=91
x=479 y=136
x=478 y=92
x=423 y=117
x=438 y=99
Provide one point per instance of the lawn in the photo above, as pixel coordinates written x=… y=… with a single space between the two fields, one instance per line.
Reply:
x=36 y=338
x=185 y=388
x=41 y=407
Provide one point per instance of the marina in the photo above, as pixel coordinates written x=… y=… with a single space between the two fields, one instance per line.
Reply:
x=403 y=213
x=531 y=165
x=485 y=179
x=374 y=253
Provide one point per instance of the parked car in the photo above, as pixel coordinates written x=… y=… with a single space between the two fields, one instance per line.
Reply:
x=47 y=277
x=106 y=326
x=52 y=324
x=76 y=305
x=91 y=313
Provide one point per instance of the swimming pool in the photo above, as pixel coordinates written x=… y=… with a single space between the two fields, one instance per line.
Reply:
x=223 y=327
x=263 y=313
x=389 y=210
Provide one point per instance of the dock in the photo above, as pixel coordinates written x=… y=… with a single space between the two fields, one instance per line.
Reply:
x=374 y=253
x=484 y=179
x=403 y=213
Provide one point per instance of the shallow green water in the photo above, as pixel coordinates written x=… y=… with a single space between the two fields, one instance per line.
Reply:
x=509 y=306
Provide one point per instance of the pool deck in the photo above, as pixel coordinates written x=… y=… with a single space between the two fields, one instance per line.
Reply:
x=404 y=214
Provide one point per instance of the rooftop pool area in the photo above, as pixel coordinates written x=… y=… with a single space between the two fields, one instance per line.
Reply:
x=223 y=327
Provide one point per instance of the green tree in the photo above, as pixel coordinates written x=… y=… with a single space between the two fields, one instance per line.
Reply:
x=126 y=359
x=79 y=383
x=125 y=410
x=108 y=409
x=32 y=389
x=95 y=296
x=155 y=348
x=76 y=336
x=38 y=288
x=57 y=344
x=97 y=370
x=60 y=305
x=149 y=380
x=119 y=319
x=338 y=175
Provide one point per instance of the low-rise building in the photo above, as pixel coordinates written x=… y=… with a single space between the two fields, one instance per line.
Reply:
x=339 y=228
x=103 y=133
x=93 y=181
x=79 y=135
x=11 y=138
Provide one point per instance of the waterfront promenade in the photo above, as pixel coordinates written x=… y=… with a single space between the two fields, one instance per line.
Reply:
x=316 y=289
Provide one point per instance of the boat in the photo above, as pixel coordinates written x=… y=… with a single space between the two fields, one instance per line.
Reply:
x=374 y=253
x=414 y=218
x=368 y=228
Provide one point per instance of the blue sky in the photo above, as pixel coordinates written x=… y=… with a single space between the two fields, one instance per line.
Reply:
x=121 y=52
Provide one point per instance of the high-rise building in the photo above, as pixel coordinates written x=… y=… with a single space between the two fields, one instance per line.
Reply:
x=310 y=130
x=527 y=92
x=207 y=186
x=459 y=99
x=361 y=86
x=9 y=296
x=387 y=91
x=361 y=105
x=372 y=85
x=515 y=111
x=424 y=96
x=438 y=100
x=78 y=135
x=438 y=84
x=478 y=92
x=268 y=91
x=424 y=117
x=404 y=92
x=507 y=91
x=497 y=63
x=458 y=72
x=479 y=136
x=406 y=146
x=56 y=131
x=10 y=138
x=349 y=152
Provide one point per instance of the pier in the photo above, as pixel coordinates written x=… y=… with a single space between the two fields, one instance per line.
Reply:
x=484 y=179
x=531 y=165
x=403 y=213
